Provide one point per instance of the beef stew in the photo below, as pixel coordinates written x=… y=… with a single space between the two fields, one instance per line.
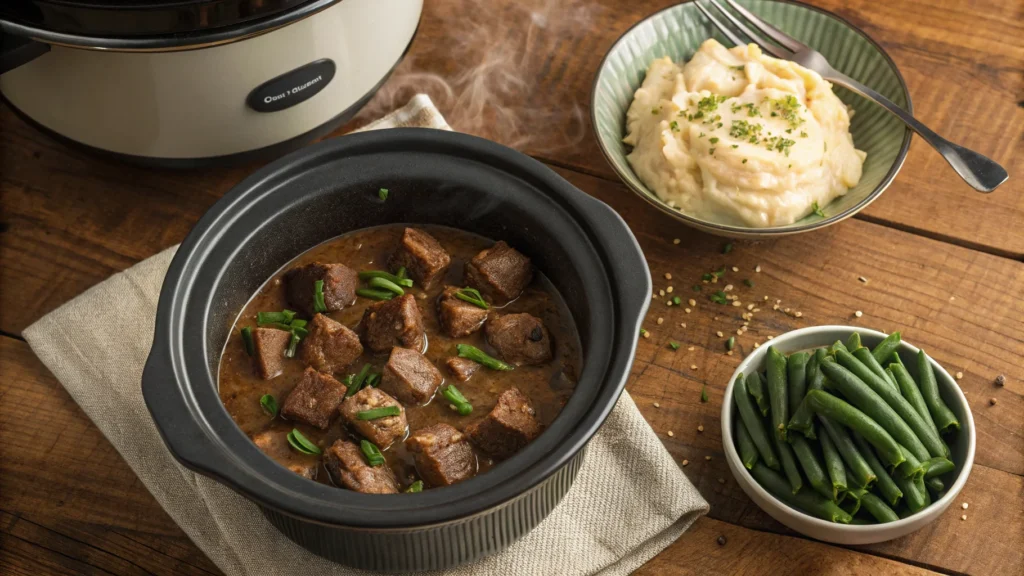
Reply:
x=469 y=364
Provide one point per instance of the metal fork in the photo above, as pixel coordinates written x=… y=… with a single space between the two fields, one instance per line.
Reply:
x=982 y=173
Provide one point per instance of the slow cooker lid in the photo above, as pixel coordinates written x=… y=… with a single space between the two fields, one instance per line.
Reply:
x=149 y=24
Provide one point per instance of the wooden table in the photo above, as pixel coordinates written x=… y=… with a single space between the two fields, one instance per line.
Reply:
x=943 y=264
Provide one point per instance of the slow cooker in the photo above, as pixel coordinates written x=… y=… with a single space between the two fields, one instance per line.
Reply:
x=185 y=82
x=583 y=247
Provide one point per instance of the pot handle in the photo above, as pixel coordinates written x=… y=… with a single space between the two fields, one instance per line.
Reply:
x=16 y=51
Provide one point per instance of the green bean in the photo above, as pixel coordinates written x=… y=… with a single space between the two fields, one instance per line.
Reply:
x=911 y=392
x=927 y=494
x=934 y=485
x=815 y=377
x=752 y=420
x=802 y=420
x=886 y=347
x=861 y=521
x=833 y=464
x=836 y=346
x=809 y=502
x=913 y=494
x=944 y=418
x=744 y=444
x=865 y=357
x=825 y=404
x=803 y=415
x=853 y=342
x=853 y=498
x=756 y=389
x=796 y=374
x=857 y=465
x=911 y=467
x=811 y=465
x=777 y=392
x=937 y=467
x=872 y=399
x=789 y=465
x=885 y=484
x=877 y=508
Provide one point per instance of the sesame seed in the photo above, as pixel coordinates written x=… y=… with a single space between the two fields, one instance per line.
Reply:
x=719 y=334
x=687 y=310
x=765 y=297
x=693 y=366
x=728 y=288
x=750 y=306
x=862 y=279
x=786 y=310
x=675 y=240
x=691 y=302
x=671 y=433
x=964 y=517
x=757 y=309
x=668 y=302
x=775 y=307
x=769 y=337
x=656 y=405
x=737 y=303
x=685 y=462
x=668 y=276
x=700 y=428
x=708 y=458
x=964 y=505
x=669 y=289
x=721 y=480
x=858 y=313
x=798 y=314
x=739 y=332
x=959 y=375
x=647 y=334
x=756 y=344
x=735 y=269
x=951 y=298
x=757 y=268
x=661 y=320
x=690 y=348
x=661 y=292
x=992 y=401
x=682 y=324
x=729 y=353
x=745 y=324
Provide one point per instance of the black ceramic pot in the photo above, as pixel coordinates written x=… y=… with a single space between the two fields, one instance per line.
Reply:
x=434 y=177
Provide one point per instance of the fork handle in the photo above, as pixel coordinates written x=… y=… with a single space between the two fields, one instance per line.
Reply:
x=981 y=172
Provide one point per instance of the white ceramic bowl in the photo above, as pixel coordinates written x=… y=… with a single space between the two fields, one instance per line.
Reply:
x=961 y=444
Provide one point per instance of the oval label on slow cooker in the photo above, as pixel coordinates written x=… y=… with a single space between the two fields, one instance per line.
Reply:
x=292 y=87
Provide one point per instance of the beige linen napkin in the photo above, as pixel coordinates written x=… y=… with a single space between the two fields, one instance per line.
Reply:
x=630 y=499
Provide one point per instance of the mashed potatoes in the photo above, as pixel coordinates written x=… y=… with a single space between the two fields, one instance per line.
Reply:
x=737 y=137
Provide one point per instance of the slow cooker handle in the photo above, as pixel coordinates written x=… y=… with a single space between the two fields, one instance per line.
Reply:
x=16 y=51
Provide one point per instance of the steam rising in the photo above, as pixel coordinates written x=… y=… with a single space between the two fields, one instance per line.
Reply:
x=486 y=73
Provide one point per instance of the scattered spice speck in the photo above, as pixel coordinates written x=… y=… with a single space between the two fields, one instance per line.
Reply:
x=693 y=366
x=656 y=405
x=750 y=284
x=669 y=290
x=690 y=348
x=964 y=517
x=703 y=398
x=661 y=292
x=668 y=276
x=708 y=458
x=671 y=433
x=992 y=401
x=727 y=248
x=661 y=321
x=798 y=314
x=721 y=480
x=959 y=375
x=737 y=303
x=1000 y=380
x=735 y=269
x=757 y=268
x=692 y=302
x=862 y=279
x=675 y=240
x=700 y=428
x=858 y=313
x=673 y=344
x=721 y=540
x=685 y=462
x=687 y=310
x=719 y=334
x=964 y=505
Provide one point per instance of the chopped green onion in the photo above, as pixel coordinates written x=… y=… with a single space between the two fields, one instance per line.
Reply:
x=375 y=413
x=749 y=282
x=372 y=453
x=318 y=297
x=472 y=295
x=673 y=344
x=727 y=248
x=677 y=300
x=250 y=346
x=372 y=379
x=452 y=395
x=302 y=444
x=375 y=294
x=283 y=317
x=357 y=382
x=703 y=393
x=402 y=274
x=477 y=355
x=298 y=323
x=383 y=193
x=368 y=275
x=416 y=486
x=719 y=298
x=385 y=284
x=817 y=209
x=730 y=343
x=269 y=405
x=293 y=344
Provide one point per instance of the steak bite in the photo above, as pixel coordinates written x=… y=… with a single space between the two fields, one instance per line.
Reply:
x=500 y=272
x=340 y=283
x=458 y=317
x=314 y=400
x=269 y=345
x=519 y=338
x=443 y=455
x=395 y=322
x=422 y=255
x=273 y=442
x=348 y=468
x=381 y=431
x=330 y=346
x=410 y=376
x=461 y=368
x=509 y=426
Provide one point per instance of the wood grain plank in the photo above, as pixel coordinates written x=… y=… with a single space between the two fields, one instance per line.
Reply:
x=749 y=552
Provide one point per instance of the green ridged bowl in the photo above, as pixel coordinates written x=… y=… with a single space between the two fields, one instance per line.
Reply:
x=678 y=31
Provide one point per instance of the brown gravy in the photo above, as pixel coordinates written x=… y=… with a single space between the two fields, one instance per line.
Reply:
x=548 y=386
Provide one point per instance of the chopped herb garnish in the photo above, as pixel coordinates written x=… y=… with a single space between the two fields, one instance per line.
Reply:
x=674 y=126
x=703 y=393
x=711 y=151
x=372 y=294
x=749 y=282
x=269 y=405
x=354 y=383
x=318 y=297
x=673 y=344
x=302 y=444
x=803 y=134
x=371 y=380
x=735 y=146
x=740 y=67
x=788 y=107
x=456 y=399
x=401 y=278
x=656 y=110
x=707 y=277
x=713 y=140
x=372 y=453
x=293 y=343
x=710 y=103
x=250 y=347
x=477 y=355
x=730 y=343
x=743 y=130
x=727 y=248
x=744 y=161
x=718 y=298
x=383 y=193
x=472 y=295
x=283 y=317
x=817 y=209
x=381 y=412
x=677 y=301
x=416 y=486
